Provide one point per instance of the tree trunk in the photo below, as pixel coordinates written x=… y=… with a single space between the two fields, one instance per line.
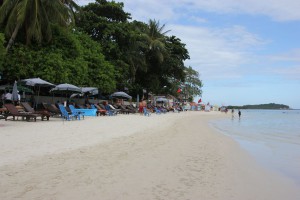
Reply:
x=13 y=37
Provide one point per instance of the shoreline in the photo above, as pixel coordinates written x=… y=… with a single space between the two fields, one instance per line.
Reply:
x=274 y=147
x=172 y=156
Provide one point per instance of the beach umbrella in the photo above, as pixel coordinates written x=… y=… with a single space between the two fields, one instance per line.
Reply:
x=37 y=82
x=75 y=95
x=14 y=94
x=65 y=87
x=121 y=95
x=90 y=90
x=162 y=99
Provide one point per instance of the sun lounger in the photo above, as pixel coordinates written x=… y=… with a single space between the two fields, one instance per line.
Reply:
x=132 y=108
x=65 y=114
x=146 y=112
x=13 y=112
x=99 y=110
x=28 y=108
x=52 y=109
x=158 y=112
x=113 y=109
x=122 y=109
x=84 y=111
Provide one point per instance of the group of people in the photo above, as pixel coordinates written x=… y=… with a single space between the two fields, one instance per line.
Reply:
x=151 y=108
x=7 y=98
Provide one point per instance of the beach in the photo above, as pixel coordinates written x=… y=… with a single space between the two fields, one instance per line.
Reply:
x=168 y=156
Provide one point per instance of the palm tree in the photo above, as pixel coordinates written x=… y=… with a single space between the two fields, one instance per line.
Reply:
x=136 y=59
x=156 y=39
x=71 y=5
x=135 y=49
x=34 y=17
x=155 y=51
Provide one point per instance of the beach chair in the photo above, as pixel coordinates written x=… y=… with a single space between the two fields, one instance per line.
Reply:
x=122 y=109
x=13 y=112
x=76 y=113
x=162 y=109
x=64 y=113
x=99 y=109
x=52 y=109
x=28 y=108
x=158 y=112
x=2 y=116
x=114 y=110
x=110 y=111
x=132 y=108
x=146 y=112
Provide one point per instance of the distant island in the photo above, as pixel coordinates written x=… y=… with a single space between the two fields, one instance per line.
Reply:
x=272 y=106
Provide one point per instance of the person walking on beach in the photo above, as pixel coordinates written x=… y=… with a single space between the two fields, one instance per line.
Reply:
x=239 y=114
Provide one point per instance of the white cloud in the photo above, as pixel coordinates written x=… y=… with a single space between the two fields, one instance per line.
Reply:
x=217 y=52
x=84 y=2
x=291 y=56
x=291 y=72
x=168 y=10
x=285 y=65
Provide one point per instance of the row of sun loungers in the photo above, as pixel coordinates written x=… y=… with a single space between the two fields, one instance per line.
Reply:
x=72 y=112
x=27 y=115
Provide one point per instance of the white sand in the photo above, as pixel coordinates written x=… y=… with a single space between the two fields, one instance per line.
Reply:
x=172 y=156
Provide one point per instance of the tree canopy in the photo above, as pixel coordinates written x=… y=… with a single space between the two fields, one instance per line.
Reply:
x=272 y=106
x=94 y=45
x=33 y=18
x=2 y=50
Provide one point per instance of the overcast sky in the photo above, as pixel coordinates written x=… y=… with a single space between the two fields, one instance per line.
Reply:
x=246 y=52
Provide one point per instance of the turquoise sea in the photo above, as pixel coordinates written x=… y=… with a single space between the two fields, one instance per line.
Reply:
x=271 y=136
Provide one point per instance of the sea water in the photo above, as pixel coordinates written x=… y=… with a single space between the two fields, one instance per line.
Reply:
x=271 y=136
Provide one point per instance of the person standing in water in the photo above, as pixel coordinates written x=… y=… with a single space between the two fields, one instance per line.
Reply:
x=232 y=113
x=239 y=114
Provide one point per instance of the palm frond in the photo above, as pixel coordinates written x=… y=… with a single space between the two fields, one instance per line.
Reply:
x=11 y=22
x=6 y=8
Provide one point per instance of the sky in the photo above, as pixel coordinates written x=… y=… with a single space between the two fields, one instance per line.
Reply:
x=246 y=52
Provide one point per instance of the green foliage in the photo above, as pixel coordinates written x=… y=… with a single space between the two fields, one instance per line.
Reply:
x=101 y=73
x=143 y=56
x=71 y=58
x=31 y=19
x=103 y=50
x=155 y=52
x=106 y=23
x=271 y=106
x=110 y=10
x=173 y=69
x=193 y=84
x=2 y=50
